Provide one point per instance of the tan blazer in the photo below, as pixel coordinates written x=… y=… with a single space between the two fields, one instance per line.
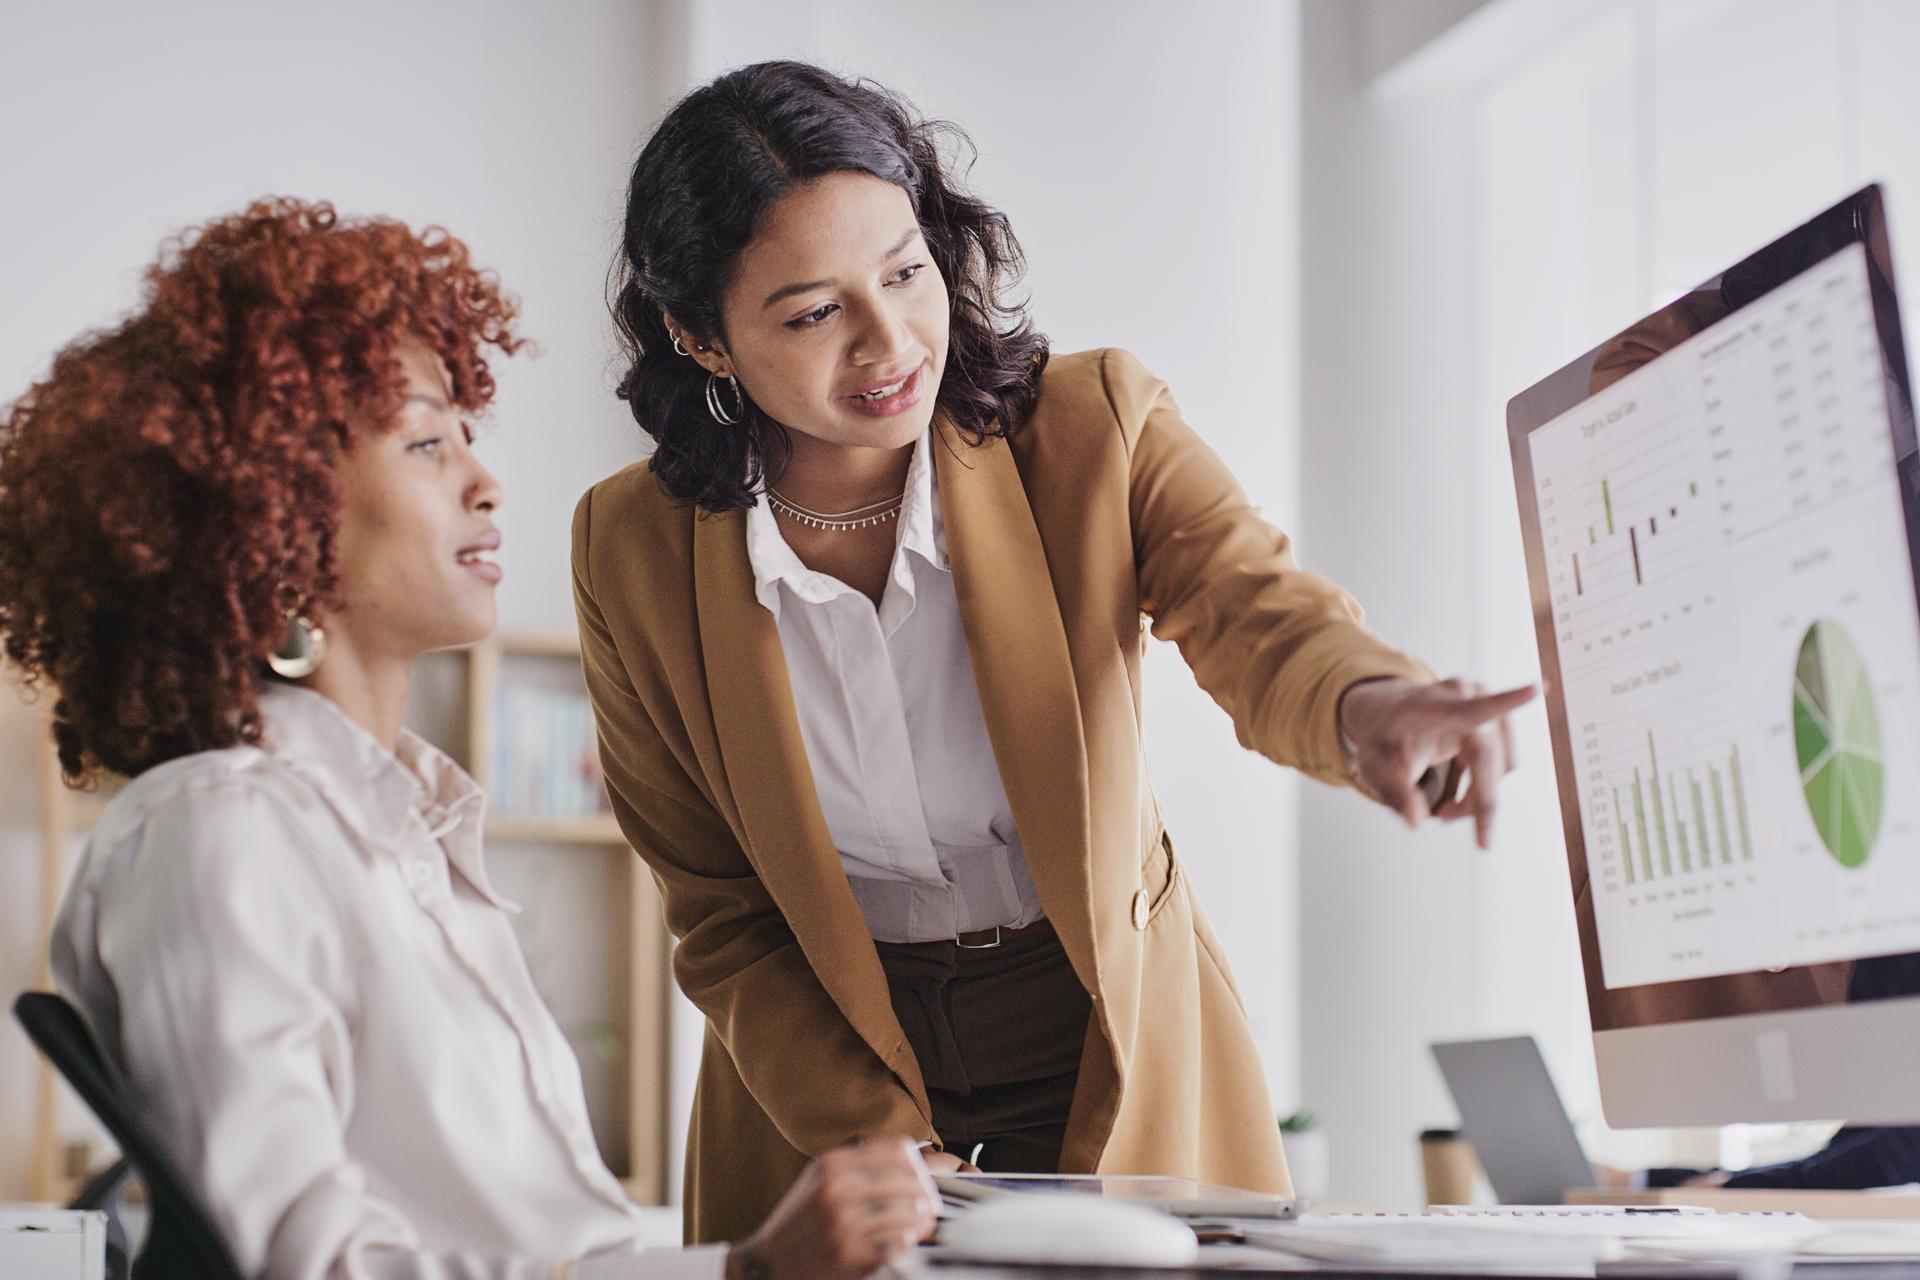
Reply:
x=1103 y=511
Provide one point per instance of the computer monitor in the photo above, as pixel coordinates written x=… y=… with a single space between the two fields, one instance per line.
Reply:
x=1721 y=511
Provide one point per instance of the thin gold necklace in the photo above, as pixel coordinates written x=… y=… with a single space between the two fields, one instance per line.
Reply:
x=837 y=521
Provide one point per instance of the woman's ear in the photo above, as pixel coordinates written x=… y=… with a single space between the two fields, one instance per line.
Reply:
x=710 y=356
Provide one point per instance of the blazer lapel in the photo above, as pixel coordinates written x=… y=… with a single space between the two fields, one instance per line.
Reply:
x=1024 y=673
x=771 y=784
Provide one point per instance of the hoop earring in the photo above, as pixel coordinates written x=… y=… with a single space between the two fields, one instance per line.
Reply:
x=678 y=349
x=717 y=409
x=301 y=651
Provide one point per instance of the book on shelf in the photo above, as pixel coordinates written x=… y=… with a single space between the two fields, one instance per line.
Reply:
x=546 y=757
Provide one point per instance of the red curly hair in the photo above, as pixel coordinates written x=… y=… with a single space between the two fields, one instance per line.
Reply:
x=168 y=492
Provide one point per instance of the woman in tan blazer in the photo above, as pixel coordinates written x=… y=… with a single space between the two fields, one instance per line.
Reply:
x=819 y=350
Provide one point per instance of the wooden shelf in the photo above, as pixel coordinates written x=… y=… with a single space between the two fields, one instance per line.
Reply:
x=551 y=644
x=594 y=828
x=556 y=644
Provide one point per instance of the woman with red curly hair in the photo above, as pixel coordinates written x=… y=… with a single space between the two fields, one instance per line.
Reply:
x=227 y=528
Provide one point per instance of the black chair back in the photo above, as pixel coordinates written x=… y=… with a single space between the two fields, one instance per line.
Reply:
x=181 y=1239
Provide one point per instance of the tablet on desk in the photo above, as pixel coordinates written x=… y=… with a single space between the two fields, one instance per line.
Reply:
x=1187 y=1197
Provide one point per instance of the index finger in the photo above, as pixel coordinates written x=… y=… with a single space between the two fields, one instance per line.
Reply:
x=1488 y=706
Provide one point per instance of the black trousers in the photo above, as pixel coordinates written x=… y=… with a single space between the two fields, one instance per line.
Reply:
x=998 y=1033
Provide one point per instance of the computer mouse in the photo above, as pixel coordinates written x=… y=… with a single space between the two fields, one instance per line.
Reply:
x=1070 y=1230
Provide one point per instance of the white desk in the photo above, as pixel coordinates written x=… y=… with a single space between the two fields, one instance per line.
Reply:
x=38 y=1243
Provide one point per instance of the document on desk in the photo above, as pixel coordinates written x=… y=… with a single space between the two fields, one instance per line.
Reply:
x=1412 y=1242
x=1540 y=1244
x=1768 y=1231
x=1866 y=1240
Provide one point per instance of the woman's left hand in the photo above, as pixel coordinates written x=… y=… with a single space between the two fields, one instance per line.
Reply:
x=1400 y=729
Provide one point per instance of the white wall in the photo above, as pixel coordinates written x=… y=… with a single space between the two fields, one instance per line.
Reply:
x=1146 y=155
x=1490 y=207
x=1392 y=923
x=512 y=124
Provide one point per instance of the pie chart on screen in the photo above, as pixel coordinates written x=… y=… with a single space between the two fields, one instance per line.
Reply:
x=1836 y=730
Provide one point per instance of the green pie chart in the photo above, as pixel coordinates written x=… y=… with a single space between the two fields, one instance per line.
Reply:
x=1836 y=730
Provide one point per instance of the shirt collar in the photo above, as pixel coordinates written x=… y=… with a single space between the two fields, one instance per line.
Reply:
x=375 y=790
x=922 y=532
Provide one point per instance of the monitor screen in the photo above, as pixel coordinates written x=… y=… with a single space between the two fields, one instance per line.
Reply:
x=1720 y=515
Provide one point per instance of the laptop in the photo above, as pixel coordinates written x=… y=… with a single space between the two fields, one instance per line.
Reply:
x=1514 y=1117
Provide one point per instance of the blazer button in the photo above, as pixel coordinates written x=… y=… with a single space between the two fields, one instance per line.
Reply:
x=1140 y=909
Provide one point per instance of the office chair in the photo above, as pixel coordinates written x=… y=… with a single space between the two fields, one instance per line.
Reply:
x=181 y=1238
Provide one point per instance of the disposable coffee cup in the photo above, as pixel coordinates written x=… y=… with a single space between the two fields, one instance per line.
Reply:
x=1450 y=1165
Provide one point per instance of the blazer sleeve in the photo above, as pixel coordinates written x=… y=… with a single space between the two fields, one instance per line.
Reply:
x=1274 y=645
x=1856 y=1158
x=736 y=957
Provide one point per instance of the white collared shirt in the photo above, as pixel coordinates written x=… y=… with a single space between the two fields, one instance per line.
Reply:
x=891 y=718
x=292 y=957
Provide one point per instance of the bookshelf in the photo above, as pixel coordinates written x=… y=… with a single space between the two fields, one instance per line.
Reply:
x=590 y=926
x=53 y=1176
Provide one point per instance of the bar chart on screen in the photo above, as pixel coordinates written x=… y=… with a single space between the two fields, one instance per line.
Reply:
x=1740 y=657
x=1630 y=532
x=1673 y=804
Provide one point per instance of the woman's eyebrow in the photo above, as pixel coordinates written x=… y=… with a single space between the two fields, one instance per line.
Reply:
x=787 y=291
x=421 y=397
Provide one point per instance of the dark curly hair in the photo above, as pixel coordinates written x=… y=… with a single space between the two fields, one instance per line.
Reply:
x=168 y=492
x=718 y=160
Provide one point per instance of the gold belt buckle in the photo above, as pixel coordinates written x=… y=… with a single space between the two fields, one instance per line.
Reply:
x=960 y=940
